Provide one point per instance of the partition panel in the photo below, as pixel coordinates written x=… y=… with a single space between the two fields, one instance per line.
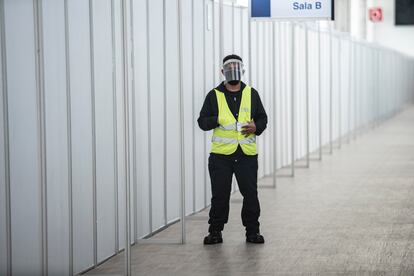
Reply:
x=228 y=29
x=80 y=83
x=188 y=101
x=216 y=34
x=156 y=104
x=267 y=151
x=278 y=93
x=237 y=35
x=198 y=92
x=259 y=72
x=24 y=138
x=142 y=111
x=173 y=118
x=314 y=91
x=56 y=136
x=210 y=84
x=105 y=159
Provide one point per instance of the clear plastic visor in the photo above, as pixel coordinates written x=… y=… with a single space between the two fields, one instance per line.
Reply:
x=233 y=70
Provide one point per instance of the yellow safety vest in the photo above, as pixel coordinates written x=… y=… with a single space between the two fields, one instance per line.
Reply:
x=227 y=136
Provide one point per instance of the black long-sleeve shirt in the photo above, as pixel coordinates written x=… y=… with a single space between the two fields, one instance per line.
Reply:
x=208 y=119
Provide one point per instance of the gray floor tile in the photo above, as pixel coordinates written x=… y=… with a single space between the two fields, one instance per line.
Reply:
x=352 y=214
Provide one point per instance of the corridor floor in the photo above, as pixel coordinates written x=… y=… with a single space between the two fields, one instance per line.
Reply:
x=351 y=214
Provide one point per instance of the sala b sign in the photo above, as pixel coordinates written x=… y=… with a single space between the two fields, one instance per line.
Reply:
x=292 y=9
x=307 y=6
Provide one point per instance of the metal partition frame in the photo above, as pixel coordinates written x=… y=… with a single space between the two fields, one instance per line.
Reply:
x=6 y=137
x=69 y=137
x=127 y=268
x=115 y=128
x=40 y=105
x=92 y=64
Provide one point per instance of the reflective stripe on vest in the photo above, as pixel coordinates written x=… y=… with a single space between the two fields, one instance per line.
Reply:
x=237 y=126
x=222 y=140
x=227 y=136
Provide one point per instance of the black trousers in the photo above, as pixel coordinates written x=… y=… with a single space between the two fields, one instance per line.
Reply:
x=221 y=172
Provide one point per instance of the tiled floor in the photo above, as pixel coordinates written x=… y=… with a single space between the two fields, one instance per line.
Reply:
x=352 y=214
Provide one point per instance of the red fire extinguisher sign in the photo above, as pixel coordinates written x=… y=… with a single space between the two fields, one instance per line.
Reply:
x=375 y=14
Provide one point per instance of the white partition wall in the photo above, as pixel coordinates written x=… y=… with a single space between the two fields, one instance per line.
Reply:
x=172 y=114
x=119 y=138
x=79 y=45
x=55 y=108
x=156 y=132
x=210 y=81
x=141 y=106
x=104 y=128
x=62 y=143
x=24 y=138
x=199 y=93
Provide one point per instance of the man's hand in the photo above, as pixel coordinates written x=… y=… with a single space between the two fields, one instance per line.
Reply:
x=249 y=129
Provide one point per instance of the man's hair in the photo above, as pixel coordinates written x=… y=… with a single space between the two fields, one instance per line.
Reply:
x=232 y=57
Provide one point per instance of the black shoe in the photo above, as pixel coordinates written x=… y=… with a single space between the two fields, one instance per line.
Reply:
x=213 y=238
x=255 y=238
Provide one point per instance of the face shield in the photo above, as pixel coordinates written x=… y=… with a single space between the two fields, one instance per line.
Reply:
x=233 y=71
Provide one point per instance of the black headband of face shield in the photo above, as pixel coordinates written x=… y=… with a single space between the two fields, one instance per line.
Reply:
x=231 y=57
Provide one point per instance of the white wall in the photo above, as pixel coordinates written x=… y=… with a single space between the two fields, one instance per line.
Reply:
x=72 y=83
x=24 y=138
x=342 y=15
x=386 y=33
x=358 y=18
x=56 y=135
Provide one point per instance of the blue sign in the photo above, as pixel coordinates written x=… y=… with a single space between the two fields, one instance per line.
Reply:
x=261 y=8
x=292 y=9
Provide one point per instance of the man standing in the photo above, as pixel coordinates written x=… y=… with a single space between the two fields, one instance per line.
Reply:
x=235 y=112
